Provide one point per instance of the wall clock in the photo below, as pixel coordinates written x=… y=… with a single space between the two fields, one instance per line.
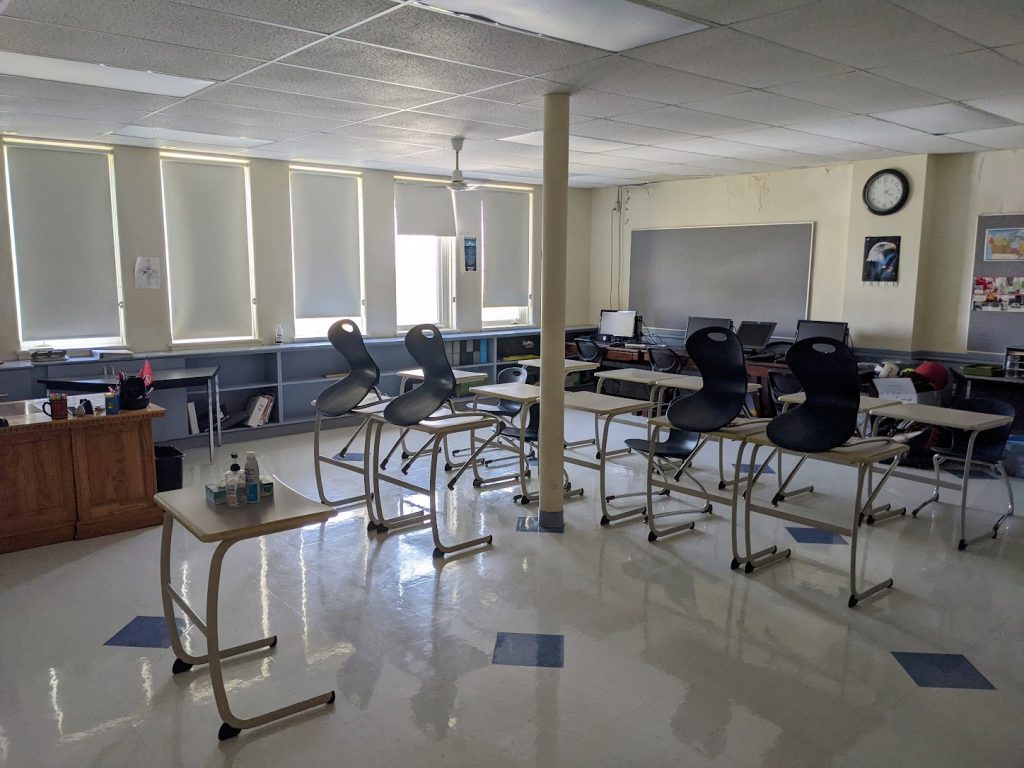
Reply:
x=886 y=192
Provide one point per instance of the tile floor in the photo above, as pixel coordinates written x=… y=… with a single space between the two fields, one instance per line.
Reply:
x=668 y=658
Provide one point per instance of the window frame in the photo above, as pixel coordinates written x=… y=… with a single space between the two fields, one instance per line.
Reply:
x=360 y=320
x=95 y=342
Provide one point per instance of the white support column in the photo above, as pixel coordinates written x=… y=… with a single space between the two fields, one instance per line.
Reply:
x=552 y=335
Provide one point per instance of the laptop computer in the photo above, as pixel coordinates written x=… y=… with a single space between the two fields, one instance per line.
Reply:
x=755 y=336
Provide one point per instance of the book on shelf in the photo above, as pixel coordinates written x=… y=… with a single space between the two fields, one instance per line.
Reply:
x=193 y=418
x=258 y=410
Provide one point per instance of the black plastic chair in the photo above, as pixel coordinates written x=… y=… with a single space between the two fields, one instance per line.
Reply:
x=426 y=346
x=343 y=398
x=986 y=456
x=506 y=409
x=529 y=433
x=588 y=351
x=664 y=360
x=782 y=383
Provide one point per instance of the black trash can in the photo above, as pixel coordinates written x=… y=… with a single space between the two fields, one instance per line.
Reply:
x=170 y=468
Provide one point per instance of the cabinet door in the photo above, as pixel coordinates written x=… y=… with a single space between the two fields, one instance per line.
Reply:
x=115 y=476
x=37 y=489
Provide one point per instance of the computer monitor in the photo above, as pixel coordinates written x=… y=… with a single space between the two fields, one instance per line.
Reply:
x=754 y=336
x=696 y=323
x=618 y=323
x=806 y=329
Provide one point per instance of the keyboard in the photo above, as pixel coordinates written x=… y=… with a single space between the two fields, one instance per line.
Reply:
x=632 y=345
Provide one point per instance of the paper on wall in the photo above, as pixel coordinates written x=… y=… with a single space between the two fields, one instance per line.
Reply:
x=147 y=272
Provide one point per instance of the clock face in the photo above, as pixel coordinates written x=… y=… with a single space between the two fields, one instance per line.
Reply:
x=886 y=192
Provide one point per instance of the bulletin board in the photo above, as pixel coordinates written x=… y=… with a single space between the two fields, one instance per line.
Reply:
x=997 y=287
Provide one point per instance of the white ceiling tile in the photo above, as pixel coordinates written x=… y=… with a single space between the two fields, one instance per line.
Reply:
x=726 y=54
x=793 y=141
x=926 y=144
x=484 y=111
x=943 y=118
x=246 y=116
x=69 y=109
x=992 y=23
x=117 y=50
x=1015 y=52
x=166 y=22
x=995 y=138
x=691 y=121
x=51 y=127
x=962 y=76
x=796 y=159
x=727 y=12
x=326 y=16
x=348 y=57
x=659 y=154
x=279 y=101
x=576 y=143
x=862 y=129
x=595 y=182
x=618 y=74
x=446 y=126
x=857 y=92
x=219 y=127
x=311 y=82
x=770 y=108
x=83 y=94
x=419 y=30
x=737 y=165
x=582 y=101
x=358 y=148
x=388 y=133
x=614 y=130
x=862 y=34
x=616 y=161
x=1010 y=107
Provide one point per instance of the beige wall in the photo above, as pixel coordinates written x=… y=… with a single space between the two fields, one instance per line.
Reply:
x=926 y=311
x=140 y=223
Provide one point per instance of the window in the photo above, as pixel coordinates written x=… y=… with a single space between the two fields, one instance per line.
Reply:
x=327 y=249
x=507 y=224
x=63 y=223
x=208 y=234
x=423 y=279
x=424 y=243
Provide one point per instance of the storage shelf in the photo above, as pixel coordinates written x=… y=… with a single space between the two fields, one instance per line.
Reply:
x=234 y=387
x=317 y=380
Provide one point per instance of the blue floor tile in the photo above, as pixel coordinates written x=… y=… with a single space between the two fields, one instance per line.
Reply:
x=519 y=649
x=744 y=468
x=942 y=670
x=350 y=456
x=814 y=536
x=145 y=632
x=531 y=525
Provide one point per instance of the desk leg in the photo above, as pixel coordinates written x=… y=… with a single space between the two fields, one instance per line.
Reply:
x=211 y=427
x=233 y=725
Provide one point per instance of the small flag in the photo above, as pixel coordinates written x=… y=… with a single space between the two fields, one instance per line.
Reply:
x=146 y=374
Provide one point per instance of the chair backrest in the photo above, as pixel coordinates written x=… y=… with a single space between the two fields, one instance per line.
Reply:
x=588 y=351
x=344 y=395
x=664 y=360
x=827 y=370
x=777 y=347
x=782 y=383
x=426 y=346
x=989 y=445
x=718 y=355
x=512 y=375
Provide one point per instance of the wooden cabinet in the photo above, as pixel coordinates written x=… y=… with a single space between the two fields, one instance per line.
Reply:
x=77 y=478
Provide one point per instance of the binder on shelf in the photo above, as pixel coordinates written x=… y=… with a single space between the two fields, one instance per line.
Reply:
x=193 y=418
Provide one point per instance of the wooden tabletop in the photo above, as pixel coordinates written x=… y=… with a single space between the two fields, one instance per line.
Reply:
x=591 y=402
x=571 y=366
x=636 y=375
x=284 y=511
x=943 y=417
x=513 y=391
x=867 y=403
x=693 y=383
x=461 y=377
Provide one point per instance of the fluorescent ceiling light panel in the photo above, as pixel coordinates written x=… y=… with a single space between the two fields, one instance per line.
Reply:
x=169 y=134
x=576 y=143
x=612 y=25
x=81 y=73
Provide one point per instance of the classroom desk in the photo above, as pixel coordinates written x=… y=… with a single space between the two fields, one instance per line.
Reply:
x=950 y=418
x=461 y=377
x=571 y=366
x=1008 y=388
x=171 y=379
x=286 y=510
x=867 y=403
x=608 y=407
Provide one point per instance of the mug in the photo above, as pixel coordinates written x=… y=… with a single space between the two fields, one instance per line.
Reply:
x=58 y=409
x=113 y=404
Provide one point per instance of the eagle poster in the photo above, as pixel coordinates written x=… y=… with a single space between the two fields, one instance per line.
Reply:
x=881 y=260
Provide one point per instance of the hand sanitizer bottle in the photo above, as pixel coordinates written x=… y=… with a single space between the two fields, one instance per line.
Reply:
x=234 y=484
x=252 y=478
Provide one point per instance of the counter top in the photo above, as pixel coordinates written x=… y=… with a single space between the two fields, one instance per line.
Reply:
x=23 y=415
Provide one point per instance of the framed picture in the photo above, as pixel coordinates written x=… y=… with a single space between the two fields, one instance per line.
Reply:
x=881 y=260
x=1004 y=244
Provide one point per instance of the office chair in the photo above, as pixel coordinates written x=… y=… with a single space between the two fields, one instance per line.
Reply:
x=782 y=383
x=344 y=397
x=664 y=360
x=777 y=348
x=506 y=410
x=987 y=456
x=589 y=352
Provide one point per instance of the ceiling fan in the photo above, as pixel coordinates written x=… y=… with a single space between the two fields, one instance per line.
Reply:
x=458 y=184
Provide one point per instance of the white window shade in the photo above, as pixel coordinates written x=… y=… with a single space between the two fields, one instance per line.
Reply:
x=326 y=246
x=209 y=255
x=424 y=209
x=506 y=248
x=468 y=213
x=63 y=229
